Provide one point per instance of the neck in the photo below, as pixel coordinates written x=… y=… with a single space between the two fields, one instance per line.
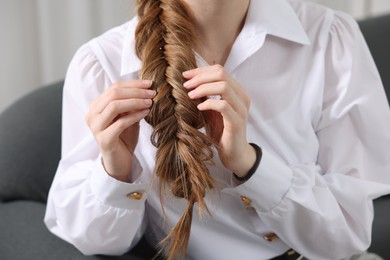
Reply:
x=218 y=23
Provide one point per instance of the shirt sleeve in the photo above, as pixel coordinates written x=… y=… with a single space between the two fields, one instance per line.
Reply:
x=325 y=210
x=86 y=207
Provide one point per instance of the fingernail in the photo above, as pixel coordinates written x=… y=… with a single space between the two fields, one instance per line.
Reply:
x=147 y=82
x=148 y=101
x=186 y=73
x=145 y=112
x=152 y=93
x=186 y=84
x=191 y=94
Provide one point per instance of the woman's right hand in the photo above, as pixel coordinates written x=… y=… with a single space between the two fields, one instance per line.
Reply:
x=114 y=121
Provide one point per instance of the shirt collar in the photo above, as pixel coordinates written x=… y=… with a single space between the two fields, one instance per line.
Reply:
x=277 y=18
x=274 y=17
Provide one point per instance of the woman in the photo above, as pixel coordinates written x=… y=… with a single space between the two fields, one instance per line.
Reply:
x=225 y=129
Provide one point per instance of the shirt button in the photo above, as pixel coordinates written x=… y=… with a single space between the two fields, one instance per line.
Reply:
x=246 y=201
x=270 y=237
x=135 y=195
x=291 y=252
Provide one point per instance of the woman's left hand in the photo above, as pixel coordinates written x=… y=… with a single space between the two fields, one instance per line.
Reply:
x=229 y=114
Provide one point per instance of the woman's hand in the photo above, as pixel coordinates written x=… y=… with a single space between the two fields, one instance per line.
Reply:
x=114 y=121
x=229 y=114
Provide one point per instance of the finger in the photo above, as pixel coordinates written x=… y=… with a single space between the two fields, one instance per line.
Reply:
x=214 y=73
x=134 y=84
x=204 y=75
x=112 y=133
x=192 y=73
x=217 y=73
x=213 y=90
x=98 y=106
x=231 y=119
x=123 y=90
x=121 y=94
x=115 y=109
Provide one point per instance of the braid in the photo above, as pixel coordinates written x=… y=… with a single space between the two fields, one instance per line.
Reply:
x=164 y=43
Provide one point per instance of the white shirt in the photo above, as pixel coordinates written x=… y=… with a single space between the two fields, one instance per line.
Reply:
x=318 y=111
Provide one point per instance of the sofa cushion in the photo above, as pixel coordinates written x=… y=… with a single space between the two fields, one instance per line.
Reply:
x=24 y=236
x=380 y=228
x=30 y=144
x=376 y=32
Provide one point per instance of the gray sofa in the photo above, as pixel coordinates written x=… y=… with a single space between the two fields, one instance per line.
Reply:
x=30 y=132
x=377 y=34
x=30 y=143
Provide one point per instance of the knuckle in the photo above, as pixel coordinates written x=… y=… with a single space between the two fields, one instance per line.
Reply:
x=112 y=107
x=218 y=67
x=94 y=129
x=87 y=118
x=246 y=99
x=116 y=85
x=224 y=105
x=220 y=71
x=248 y=102
x=224 y=87
x=121 y=124
x=113 y=94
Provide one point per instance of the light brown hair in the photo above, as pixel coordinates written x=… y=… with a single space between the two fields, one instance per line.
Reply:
x=165 y=39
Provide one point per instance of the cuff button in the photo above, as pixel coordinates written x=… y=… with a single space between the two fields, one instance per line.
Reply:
x=270 y=237
x=246 y=201
x=135 y=195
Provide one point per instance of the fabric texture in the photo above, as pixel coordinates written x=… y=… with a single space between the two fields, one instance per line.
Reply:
x=364 y=256
x=380 y=228
x=376 y=32
x=24 y=236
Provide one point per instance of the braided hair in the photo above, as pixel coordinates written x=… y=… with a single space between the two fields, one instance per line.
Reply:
x=165 y=39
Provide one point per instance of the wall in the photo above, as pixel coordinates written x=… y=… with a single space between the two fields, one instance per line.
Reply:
x=39 y=37
x=359 y=8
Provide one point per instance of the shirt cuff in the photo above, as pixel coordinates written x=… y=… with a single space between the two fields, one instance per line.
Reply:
x=269 y=185
x=112 y=192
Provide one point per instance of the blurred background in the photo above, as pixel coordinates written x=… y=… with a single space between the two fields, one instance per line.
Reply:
x=39 y=37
